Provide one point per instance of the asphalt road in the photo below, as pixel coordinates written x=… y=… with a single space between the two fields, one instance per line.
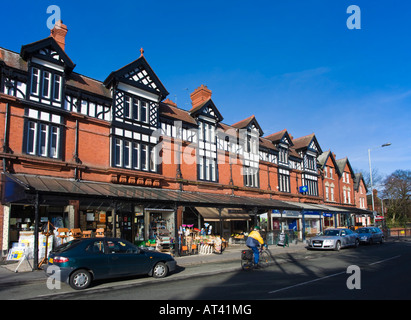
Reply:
x=374 y=272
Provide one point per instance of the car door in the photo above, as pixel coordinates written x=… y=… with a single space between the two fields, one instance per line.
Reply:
x=95 y=259
x=126 y=259
x=345 y=239
x=376 y=235
x=351 y=237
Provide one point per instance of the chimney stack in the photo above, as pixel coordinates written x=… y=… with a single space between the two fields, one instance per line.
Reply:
x=59 y=33
x=200 y=95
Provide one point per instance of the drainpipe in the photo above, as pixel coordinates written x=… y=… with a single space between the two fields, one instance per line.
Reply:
x=36 y=233
x=6 y=134
x=76 y=158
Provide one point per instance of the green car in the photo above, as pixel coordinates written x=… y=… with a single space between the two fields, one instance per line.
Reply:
x=81 y=261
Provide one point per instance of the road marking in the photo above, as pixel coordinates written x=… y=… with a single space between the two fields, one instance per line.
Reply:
x=381 y=261
x=332 y=275
x=303 y=283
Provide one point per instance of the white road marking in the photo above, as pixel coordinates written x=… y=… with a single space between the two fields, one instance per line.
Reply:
x=332 y=275
x=303 y=283
x=381 y=261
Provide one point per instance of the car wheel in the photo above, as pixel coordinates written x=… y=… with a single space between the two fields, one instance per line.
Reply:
x=371 y=241
x=382 y=240
x=337 y=246
x=160 y=270
x=80 y=279
x=357 y=243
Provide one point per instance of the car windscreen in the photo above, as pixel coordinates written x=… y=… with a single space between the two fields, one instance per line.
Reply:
x=331 y=232
x=67 y=246
x=363 y=230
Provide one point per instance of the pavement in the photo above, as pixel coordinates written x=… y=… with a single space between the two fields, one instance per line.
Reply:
x=187 y=266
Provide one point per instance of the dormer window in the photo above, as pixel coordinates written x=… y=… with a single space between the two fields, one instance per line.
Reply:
x=131 y=107
x=45 y=85
x=283 y=155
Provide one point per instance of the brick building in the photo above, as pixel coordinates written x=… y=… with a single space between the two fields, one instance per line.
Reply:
x=117 y=154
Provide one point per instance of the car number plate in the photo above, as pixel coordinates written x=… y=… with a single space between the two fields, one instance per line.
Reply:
x=317 y=244
x=51 y=260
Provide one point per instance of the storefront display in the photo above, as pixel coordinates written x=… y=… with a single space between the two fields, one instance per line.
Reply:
x=195 y=241
x=95 y=219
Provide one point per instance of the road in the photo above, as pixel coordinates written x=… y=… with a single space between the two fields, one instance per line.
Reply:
x=380 y=272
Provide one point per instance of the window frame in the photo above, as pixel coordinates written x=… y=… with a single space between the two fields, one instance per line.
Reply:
x=39 y=139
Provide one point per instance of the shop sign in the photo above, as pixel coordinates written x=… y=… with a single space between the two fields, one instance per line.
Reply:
x=327 y=215
x=16 y=253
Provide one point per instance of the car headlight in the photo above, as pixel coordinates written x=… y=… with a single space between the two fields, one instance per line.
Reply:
x=364 y=238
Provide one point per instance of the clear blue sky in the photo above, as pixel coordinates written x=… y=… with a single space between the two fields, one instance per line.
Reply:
x=294 y=64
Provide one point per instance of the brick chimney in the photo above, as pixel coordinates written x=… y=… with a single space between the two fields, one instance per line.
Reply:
x=59 y=33
x=200 y=95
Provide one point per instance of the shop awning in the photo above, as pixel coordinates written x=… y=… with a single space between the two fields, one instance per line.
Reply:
x=51 y=186
x=356 y=211
x=227 y=214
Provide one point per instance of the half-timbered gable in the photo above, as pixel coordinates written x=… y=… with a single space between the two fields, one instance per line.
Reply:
x=309 y=149
x=48 y=66
x=136 y=94
x=37 y=77
x=283 y=142
x=249 y=138
x=207 y=117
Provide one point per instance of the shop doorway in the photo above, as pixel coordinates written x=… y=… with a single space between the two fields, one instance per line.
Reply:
x=125 y=225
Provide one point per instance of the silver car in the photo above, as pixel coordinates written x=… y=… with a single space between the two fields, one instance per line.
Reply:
x=334 y=238
x=370 y=235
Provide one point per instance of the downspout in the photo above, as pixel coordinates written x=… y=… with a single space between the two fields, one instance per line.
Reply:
x=6 y=134
x=36 y=233
x=76 y=158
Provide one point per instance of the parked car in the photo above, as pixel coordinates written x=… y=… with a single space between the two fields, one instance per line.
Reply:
x=370 y=235
x=79 y=262
x=334 y=238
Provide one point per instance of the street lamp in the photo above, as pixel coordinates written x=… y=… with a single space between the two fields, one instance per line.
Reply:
x=369 y=162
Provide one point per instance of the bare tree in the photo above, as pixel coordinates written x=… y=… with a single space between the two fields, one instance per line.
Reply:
x=397 y=192
x=377 y=178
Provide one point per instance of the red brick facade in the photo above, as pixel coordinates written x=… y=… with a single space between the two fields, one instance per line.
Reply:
x=96 y=135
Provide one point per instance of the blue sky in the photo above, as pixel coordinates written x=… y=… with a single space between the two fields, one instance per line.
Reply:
x=293 y=64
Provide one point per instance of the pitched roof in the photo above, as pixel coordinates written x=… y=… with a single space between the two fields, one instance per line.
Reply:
x=278 y=136
x=358 y=178
x=323 y=158
x=206 y=104
x=341 y=163
x=13 y=59
x=175 y=113
x=32 y=48
x=246 y=122
x=121 y=74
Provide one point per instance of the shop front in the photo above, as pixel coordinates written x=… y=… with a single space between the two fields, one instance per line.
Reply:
x=145 y=216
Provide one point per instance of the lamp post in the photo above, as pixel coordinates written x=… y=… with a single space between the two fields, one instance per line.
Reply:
x=369 y=162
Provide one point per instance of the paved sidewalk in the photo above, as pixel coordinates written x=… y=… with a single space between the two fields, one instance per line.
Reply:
x=194 y=265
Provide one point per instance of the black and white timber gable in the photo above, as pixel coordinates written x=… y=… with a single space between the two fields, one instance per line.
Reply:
x=136 y=94
x=48 y=66
x=309 y=149
x=207 y=117
x=13 y=80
